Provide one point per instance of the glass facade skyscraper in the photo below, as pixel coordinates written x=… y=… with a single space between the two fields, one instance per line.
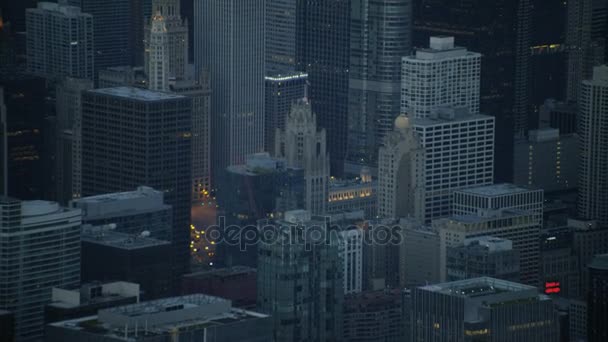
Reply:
x=322 y=50
x=380 y=35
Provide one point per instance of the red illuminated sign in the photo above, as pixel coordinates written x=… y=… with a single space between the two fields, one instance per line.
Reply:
x=552 y=287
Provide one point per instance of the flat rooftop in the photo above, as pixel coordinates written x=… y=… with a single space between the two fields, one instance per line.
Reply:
x=443 y=119
x=222 y=272
x=489 y=215
x=477 y=287
x=141 y=192
x=137 y=94
x=100 y=235
x=497 y=190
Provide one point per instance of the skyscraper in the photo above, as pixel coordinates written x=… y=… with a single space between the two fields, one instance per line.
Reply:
x=305 y=147
x=380 y=35
x=322 y=50
x=442 y=75
x=282 y=91
x=59 y=41
x=200 y=93
x=312 y=282
x=505 y=62
x=134 y=137
x=68 y=157
x=166 y=45
x=118 y=31
x=229 y=44
x=593 y=132
x=32 y=268
x=586 y=32
x=280 y=36
x=3 y=147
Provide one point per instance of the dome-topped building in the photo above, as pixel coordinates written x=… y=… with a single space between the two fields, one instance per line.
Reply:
x=402 y=122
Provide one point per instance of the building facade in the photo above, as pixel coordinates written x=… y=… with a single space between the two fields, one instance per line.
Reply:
x=380 y=35
x=312 y=282
x=68 y=157
x=375 y=316
x=60 y=41
x=30 y=268
x=476 y=200
x=281 y=36
x=442 y=75
x=482 y=309
x=229 y=44
x=597 y=303
x=546 y=160
x=593 y=166
x=485 y=256
x=352 y=195
x=418 y=254
x=160 y=139
x=304 y=146
x=132 y=212
x=521 y=227
x=401 y=161
x=282 y=92
x=323 y=51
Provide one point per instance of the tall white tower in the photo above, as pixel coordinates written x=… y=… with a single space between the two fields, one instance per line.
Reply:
x=303 y=146
x=442 y=75
x=401 y=173
x=166 y=42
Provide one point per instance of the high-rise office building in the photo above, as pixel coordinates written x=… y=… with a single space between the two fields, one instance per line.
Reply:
x=122 y=76
x=546 y=160
x=229 y=44
x=311 y=282
x=118 y=31
x=400 y=172
x=428 y=177
x=130 y=212
x=280 y=36
x=262 y=188
x=200 y=93
x=31 y=268
x=482 y=309
x=586 y=32
x=282 y=91
x=521 y=227
x=380 y=35
x=468 y=139
x=26 y=132
x=166 y=45
x=134 y=137
x=323 y=51
x=505 y=61
x=442 y=75
x=60 y=41
x=597 y=301
x=485 y=256
x=304 y=146
x=68 y=157
x=592 y=130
